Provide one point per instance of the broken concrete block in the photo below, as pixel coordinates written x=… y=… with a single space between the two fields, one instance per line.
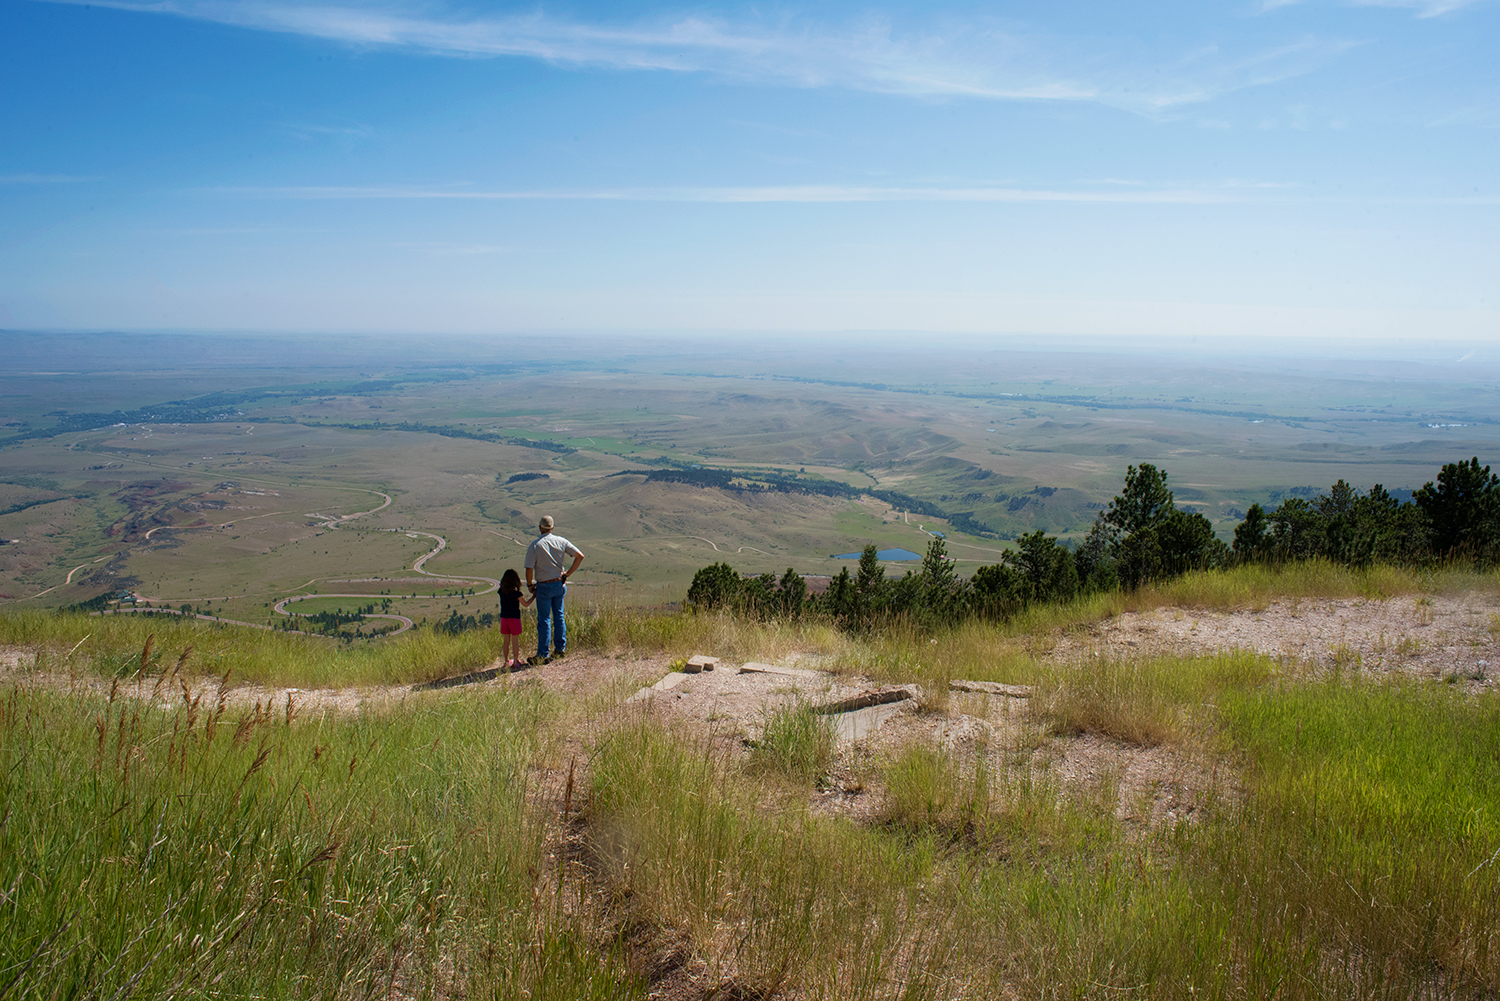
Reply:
x=666 y=684
x=865 y=700
x=790 y=672
x=861 y=723
x=991 y=688
x=698 y=662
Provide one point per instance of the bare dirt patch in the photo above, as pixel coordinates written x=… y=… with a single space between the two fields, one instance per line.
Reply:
x=1440 y=636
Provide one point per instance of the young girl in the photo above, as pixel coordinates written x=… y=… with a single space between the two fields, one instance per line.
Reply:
x=511 y=600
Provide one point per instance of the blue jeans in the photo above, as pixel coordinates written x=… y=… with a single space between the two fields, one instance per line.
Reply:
x=549 y=616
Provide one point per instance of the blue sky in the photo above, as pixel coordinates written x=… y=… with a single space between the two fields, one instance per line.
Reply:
x=1228 y=171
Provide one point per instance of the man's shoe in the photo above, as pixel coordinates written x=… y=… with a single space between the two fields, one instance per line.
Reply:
x=537 y=661
x=559 y=654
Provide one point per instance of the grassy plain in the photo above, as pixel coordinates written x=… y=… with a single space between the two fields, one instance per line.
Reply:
x=1008 y=652
x=513 y=843
x=238 y=509
x=517 y=844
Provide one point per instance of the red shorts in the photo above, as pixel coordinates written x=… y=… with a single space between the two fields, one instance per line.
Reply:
x=510 y=627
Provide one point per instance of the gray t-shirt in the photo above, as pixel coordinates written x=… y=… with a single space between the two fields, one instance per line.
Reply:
x=550 y=555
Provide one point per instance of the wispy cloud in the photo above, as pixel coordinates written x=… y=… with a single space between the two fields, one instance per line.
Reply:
x=1478 y=115
x=438 y=249
x=1231 y=191
x=811 y=193
x=307 y=131
x=975 y=58
x=1423 y=8
x=232 y=231
x=44 y=179
x=1209 y=72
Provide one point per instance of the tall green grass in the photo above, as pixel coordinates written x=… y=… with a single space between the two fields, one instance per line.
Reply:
x=896 y=649
x=1015 y=651
x=1356 y=858
x=148 y=852
x=1146 y=701
x=768 y=900
x=1374 y=817
x=101 y=644
x=613 y=627
x=1007 y=808
x=1056 y=902
x=796 y=743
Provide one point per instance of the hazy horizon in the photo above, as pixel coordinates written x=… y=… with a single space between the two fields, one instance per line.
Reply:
x=1473 y=360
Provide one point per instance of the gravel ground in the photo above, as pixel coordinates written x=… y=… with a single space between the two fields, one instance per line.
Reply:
x=1426 y=637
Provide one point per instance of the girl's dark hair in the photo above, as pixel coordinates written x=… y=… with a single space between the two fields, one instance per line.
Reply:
x=510 y=581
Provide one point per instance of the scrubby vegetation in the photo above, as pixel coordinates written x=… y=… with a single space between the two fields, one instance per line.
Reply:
x=158 y=843
x=190 y=851
x=1142 y=539
x=157 y=840
x=742 y=481
x=336 y=622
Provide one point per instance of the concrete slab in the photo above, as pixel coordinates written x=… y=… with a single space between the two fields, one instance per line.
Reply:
x=849 y=727
x=666 y=684
x=865 y=700
x=698 y=662
x=991 y=688
x=472 y=678
x=752 y=667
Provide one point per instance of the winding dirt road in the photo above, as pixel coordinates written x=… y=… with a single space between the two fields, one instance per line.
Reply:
x=280 y=609
x=698 y=538
x=331 y=521
x=214 y=618
x=335 y=521
x=442 y=543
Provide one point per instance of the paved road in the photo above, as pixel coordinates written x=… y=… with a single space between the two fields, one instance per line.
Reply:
x=332 y=521
x=699 y=538
x=335 y=520
x=329 y=521
x=215 y=618
x=280 y=609
x=406 y=623
x=193 y=528
x=442 y=544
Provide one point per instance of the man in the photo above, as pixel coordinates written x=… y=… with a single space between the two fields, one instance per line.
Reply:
x=549 y=582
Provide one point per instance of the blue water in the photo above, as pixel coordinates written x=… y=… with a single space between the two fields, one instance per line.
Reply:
x=885 y=554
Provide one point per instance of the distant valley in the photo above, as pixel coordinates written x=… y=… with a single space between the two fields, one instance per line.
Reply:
x=220 y=473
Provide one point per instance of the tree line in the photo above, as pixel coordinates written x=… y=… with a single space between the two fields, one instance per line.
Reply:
x=1141 y=538
x=724 y=478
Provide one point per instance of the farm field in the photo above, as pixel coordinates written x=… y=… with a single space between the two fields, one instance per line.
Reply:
x=242 y=485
